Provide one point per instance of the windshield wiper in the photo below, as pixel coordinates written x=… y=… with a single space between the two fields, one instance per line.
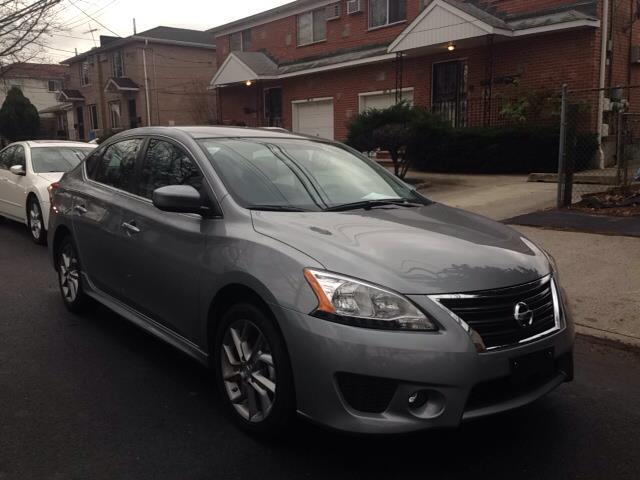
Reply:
x=277 y=208
x=368 y=204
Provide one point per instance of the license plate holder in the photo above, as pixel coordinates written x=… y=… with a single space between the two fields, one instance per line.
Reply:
x=533 y=366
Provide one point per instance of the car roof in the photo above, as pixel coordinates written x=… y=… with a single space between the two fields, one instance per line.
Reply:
x=57 y=143
x=219 y=132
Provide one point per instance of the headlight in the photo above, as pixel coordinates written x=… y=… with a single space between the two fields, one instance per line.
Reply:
x=353 y=302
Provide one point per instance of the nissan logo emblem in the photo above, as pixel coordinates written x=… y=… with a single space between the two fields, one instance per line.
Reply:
x=523 y=314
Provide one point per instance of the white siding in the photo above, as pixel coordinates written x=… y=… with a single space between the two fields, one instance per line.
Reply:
x=34 y=89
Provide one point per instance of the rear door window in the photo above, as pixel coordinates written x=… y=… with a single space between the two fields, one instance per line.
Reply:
x=117 y=165
x=164 y=164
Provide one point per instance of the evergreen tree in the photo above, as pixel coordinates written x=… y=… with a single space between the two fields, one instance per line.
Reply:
x=19 y=119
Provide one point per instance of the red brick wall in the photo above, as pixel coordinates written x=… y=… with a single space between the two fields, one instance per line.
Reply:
x=545 y=61
x=279 y=38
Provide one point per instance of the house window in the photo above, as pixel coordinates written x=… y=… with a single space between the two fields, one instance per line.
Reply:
x=114 y=114
x=312 y=26
x=93 y=117
x=240 y=41
x=386 y=12
x=117 y=64
x=383 y=99
x=84 y=73
x=54 y=85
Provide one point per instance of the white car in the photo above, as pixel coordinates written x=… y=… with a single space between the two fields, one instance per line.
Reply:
x=27 y=169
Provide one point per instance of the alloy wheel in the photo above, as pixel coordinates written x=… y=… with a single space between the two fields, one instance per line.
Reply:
x=69 y=274
x=35 y=220
x=248 y=370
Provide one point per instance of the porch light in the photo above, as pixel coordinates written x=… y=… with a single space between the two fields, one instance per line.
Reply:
x=248 y=83
x=451 y=47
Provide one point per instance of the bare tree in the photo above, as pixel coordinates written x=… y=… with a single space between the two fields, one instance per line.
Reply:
x=23 y=27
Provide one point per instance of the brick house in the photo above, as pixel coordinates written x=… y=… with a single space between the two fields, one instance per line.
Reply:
x=156 y=77
x=40 y=83
x=310 y=65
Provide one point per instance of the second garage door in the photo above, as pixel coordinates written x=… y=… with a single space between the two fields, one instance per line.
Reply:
x=314 y=118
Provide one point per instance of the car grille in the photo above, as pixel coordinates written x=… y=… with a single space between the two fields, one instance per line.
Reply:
x=491 y=313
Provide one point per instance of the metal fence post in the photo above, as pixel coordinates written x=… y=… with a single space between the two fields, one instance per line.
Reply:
x=619 y=147
x=562 y=152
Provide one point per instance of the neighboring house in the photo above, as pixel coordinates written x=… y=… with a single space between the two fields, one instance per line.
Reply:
x=156 y=77
x=310 y=64
x=40 y=83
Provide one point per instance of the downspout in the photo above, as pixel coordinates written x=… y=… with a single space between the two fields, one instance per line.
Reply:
x=604 y=26
x=146 y=81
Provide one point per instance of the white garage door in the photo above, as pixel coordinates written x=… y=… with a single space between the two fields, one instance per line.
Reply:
x=314 y=118
x=382 y=100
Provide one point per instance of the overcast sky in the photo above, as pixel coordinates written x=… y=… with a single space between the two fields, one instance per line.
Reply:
x=118 y=15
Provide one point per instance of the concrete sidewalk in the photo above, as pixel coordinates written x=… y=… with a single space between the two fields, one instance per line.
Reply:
x=600 y=273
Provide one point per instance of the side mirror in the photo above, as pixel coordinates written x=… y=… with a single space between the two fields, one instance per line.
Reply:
x=18 y=170
x=180 y=199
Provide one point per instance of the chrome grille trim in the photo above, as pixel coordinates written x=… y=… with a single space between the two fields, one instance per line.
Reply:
x=557 y=316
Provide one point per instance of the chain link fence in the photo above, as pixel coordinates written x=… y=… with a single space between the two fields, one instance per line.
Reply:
x=589 y=167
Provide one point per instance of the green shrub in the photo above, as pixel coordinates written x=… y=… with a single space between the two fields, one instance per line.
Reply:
x=400 y=130
x=501 y=150
x=19 y=119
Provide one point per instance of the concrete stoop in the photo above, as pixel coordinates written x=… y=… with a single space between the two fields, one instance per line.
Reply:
x=606 y=176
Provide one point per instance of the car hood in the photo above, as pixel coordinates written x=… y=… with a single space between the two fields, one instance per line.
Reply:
x=51 y=176
x=432 y=249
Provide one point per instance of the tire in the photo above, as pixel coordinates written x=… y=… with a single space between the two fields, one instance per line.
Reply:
x=70 y=278
x=35 y=222
x=255 y=380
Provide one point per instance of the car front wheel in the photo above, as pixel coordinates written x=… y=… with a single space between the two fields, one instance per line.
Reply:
x=35 y=222
x=253 y=371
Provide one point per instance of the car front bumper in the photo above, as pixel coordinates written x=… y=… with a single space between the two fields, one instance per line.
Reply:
x=334 y=364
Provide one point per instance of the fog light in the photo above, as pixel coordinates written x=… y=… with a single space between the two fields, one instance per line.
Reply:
x=418 y=399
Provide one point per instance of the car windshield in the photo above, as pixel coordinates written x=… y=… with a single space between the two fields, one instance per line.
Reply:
x=57 y=159
x=283 y=174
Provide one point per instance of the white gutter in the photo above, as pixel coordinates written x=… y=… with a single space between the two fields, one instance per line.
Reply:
x=603 y=75
x=146 y=82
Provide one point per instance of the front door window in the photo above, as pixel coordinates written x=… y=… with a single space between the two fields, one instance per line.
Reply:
x=449 y=87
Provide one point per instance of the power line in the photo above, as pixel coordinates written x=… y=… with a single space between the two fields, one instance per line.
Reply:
x=78 y=19
x=92 y=18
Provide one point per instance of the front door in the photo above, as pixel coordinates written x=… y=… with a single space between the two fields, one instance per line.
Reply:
x=6 y=159
x=164 y=251
x=16 y=194
x=273 y=107
x=80 y=122
x=133 y=114
x=449 y=90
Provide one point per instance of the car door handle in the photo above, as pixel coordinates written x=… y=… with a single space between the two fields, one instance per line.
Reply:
x=80 y=209
x=130 y=227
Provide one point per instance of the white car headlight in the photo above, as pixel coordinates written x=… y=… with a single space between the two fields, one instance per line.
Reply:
x=353 y=302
